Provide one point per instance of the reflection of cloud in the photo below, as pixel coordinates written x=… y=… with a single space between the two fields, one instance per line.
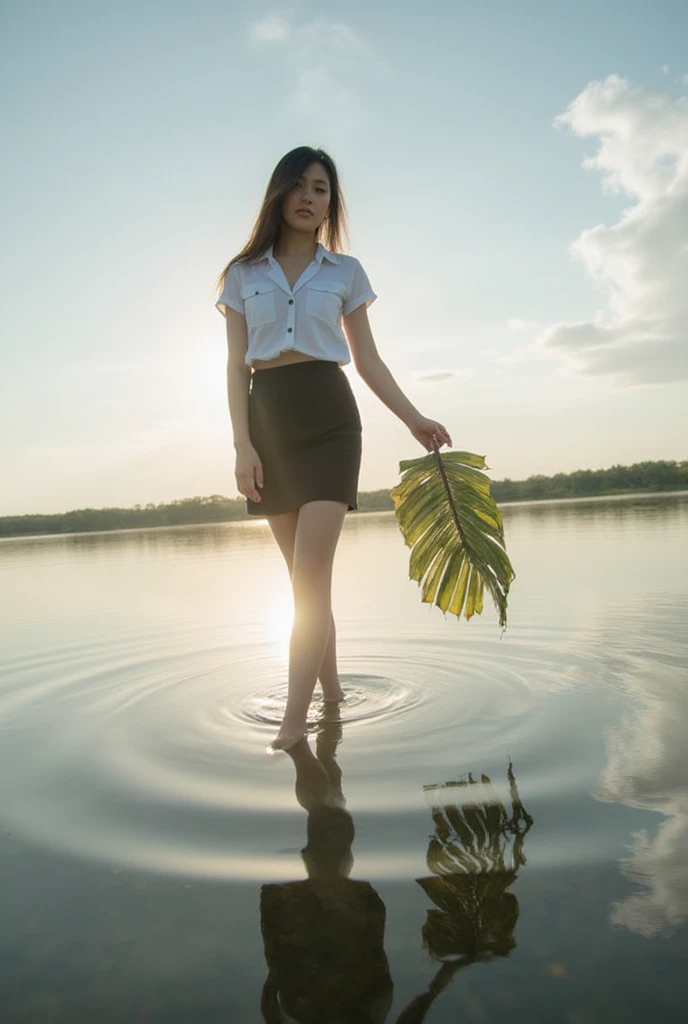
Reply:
x=324 y=59
x=648 y=769
x=660 y=866
x=641 y=262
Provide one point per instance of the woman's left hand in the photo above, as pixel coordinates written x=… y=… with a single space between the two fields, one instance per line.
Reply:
x=424 y=430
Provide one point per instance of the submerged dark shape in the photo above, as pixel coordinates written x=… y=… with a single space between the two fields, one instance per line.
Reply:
x=447 y=517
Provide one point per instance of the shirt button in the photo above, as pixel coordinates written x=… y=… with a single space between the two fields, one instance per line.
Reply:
x=291 y=302
x=257 y=293
x=289 y=330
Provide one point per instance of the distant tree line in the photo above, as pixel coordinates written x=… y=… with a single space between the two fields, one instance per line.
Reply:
x=183 y=512
x=583 y=483
x=588 y=483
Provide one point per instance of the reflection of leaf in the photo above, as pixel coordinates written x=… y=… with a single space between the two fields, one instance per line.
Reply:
x=467 y=855
x=455 y=531
x=475 y=915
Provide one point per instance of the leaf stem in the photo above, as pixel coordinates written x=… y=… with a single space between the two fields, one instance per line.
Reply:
x=447 y=488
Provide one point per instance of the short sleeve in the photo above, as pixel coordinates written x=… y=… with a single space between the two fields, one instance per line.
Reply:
x=231 y=292
x=360 y=290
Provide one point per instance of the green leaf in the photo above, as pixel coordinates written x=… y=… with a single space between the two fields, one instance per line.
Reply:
x=455 y=531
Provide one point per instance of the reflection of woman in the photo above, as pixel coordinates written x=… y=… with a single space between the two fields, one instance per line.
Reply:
x=294 y=310
x=324 y=936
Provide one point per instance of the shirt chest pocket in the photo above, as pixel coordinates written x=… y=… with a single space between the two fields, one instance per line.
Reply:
x=324 y=301
x=259 y=304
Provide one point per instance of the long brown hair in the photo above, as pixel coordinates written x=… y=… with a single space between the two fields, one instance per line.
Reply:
x=267 y=225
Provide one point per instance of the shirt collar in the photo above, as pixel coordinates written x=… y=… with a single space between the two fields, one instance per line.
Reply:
x=321 y=253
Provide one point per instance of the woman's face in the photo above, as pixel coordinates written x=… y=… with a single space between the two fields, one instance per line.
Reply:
x=305 y=207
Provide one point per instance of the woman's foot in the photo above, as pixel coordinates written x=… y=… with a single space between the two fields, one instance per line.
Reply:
x=284 y=742
x=333 y=695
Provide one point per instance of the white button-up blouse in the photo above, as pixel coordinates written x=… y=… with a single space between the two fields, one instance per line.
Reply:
x=304 y=319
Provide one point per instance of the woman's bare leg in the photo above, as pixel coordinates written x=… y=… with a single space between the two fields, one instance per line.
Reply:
x=318 y=528
x=284 y=531
x=329 y=673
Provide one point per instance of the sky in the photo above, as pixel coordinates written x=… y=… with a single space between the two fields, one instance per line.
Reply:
x=516 y=175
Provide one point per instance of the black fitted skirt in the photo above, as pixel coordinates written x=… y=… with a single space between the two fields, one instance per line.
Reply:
x=304 y=423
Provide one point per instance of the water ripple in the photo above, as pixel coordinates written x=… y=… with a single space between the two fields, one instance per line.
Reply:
x=148 y=751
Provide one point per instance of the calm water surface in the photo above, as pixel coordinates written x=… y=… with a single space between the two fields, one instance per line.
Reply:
x=495 y=830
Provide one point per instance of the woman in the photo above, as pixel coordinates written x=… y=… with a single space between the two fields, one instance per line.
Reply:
x=296 y=426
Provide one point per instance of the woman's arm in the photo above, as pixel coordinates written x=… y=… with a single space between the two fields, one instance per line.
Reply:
x=374 y=371
x=249 y=470
x=238 y=377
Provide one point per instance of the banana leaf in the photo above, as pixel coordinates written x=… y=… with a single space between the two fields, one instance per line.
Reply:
x=455 y=531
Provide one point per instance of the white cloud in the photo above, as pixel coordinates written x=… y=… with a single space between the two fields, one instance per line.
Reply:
x=442 y=376
x=641 y=262
x=517 y=324
x=328 y=63
x=271 y=28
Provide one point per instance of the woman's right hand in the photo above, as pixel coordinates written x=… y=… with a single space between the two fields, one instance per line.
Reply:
x=248 y=472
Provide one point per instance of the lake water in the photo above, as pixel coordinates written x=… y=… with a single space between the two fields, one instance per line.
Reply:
x=495 y=830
